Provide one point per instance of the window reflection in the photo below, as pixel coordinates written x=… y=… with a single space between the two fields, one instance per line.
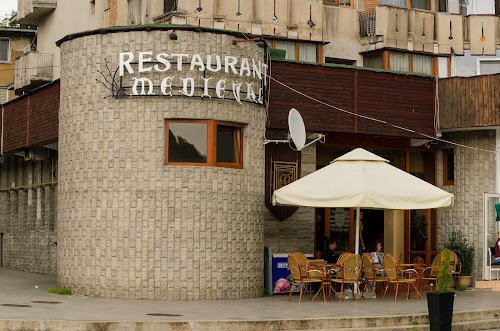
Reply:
x=187 y=142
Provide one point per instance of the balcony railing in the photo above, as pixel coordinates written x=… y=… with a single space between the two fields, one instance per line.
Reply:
x=30 y=12
x=32 y=70
x=367 y=23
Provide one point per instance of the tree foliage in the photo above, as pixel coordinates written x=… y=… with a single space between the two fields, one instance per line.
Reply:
x=5 y=21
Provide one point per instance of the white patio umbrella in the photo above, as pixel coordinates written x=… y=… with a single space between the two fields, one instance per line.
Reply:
x=360 y=179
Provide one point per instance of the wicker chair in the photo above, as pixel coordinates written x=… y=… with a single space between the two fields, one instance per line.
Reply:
x=351 y=266
x=304 y=277
x=372 y=275
x=430 y=273
x=396 y=277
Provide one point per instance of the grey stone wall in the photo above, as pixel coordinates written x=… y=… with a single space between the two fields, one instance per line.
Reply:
x=474 y=175
x=128 y=225
x=28 y=214
x=296 y=233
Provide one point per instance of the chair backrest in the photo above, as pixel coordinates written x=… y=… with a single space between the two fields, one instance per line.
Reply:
x=294 y=267
x=342 y=257
x=367 y=265
x=301 y=259
x=454 y=262
x=436 y=264
x=390 y=267
x=351 y=268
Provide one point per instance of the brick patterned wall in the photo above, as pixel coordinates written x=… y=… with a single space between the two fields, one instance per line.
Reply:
x=296 y=233
x=28 y=215
x=131 y=227
x=474 y=175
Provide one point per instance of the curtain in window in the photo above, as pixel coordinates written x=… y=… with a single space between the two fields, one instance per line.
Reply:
x=3 y=95
x=399 y=3
x=422 y=64
x=289 y=47
x=307 y=52
x=400 y=61
x=373 y=61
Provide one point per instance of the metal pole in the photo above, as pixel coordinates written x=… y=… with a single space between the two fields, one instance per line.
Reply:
x=356 y=244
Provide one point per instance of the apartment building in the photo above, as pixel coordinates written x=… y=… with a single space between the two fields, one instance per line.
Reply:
x=13 y=43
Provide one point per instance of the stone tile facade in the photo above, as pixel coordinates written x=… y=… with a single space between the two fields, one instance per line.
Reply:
x=28 y=214
x=296 y=233
x=131 y=227
x=474 y=175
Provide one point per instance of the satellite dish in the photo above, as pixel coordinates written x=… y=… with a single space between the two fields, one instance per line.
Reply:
x=297 y=128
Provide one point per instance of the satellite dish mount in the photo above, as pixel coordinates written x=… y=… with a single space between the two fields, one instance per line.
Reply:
x=296 y=132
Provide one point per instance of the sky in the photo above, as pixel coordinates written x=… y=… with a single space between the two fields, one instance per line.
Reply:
x=6 y=6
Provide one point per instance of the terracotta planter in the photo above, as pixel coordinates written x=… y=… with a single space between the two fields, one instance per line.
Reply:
x=464 y=281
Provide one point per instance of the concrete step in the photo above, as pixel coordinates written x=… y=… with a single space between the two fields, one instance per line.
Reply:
x=493 y=285
x=463 y=321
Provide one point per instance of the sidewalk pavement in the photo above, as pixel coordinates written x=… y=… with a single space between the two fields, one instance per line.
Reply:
x=19 y=288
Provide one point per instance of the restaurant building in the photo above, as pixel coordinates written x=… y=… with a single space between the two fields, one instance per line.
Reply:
x=139 y=169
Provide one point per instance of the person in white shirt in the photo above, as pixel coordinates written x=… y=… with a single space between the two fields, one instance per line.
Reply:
x=378 y=255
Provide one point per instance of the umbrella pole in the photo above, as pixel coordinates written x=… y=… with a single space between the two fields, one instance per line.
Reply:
x=356 y=245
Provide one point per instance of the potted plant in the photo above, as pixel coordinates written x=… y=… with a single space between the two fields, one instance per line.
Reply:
x=440 y=303
x=466 y=253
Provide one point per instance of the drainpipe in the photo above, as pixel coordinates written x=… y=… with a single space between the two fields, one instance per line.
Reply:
x=1 y=136
x=497 y=161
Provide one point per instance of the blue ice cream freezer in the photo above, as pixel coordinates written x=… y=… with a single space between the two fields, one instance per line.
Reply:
x=282 y=279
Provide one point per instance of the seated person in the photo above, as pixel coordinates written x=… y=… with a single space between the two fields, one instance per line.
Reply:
x=378 y=255
x=329 y=255
x=497 y=248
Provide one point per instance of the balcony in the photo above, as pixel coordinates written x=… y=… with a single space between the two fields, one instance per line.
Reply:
x=32 y=70
x=469 y=102
x=29 y=12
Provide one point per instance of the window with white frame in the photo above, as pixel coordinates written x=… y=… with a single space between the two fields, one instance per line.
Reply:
x=4 y=49
x=488 y=66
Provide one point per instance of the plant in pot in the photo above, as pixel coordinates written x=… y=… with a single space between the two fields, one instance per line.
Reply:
x=466 y=254
x=440 y=303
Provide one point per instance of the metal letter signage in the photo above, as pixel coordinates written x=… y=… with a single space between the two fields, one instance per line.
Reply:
x=191 y=75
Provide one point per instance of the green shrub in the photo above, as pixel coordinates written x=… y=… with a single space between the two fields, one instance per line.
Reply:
x=60 y=290
x=444 y=275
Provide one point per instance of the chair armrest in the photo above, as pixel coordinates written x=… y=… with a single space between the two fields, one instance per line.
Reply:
x=314 y=273
x=422 y=274
x=410 y=272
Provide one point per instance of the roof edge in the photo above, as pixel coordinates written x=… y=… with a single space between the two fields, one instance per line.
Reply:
x=150 y=27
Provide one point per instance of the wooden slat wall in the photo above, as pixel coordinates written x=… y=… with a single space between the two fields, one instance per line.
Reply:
x=402 y=100
x=370 y=5
x=466 y=102
x=31 y=120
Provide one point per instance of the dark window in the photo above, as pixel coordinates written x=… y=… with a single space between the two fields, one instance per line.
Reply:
x=339 y=61
x=4 y=49
x=448 y=167
x=187 y=142
x=443 y=6
x=497 y=7
x=420 y=4
x=228 y=144
x=373 y=61
x=203 y=143
x=169 y=6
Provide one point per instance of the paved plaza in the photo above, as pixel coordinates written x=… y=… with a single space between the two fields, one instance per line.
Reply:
x=18 y=288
